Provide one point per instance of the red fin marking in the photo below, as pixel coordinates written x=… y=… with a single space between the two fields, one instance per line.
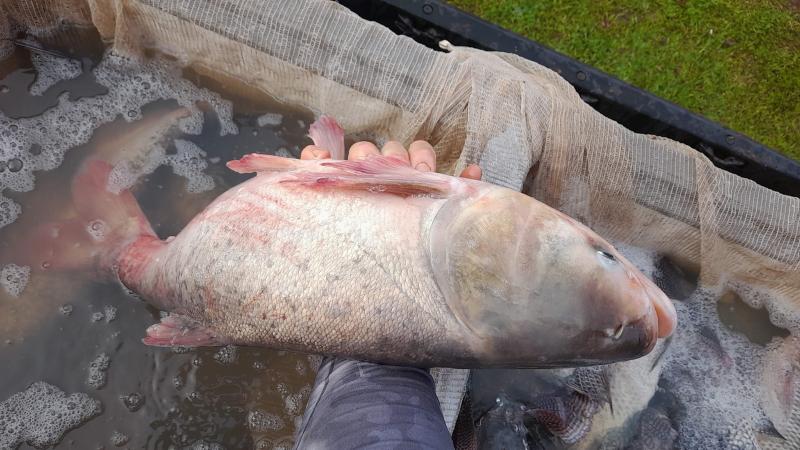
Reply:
x=328 y=134
x=378 y=174
x=384 y=184
x=179 y=330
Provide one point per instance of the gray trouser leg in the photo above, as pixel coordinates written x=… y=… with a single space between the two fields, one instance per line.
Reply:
x=356 y=404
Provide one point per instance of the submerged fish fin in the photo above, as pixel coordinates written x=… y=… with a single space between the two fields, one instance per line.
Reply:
x=379 y=174
x=256 y=162
x=326 y=133
x=179 y=330
x=102 y=222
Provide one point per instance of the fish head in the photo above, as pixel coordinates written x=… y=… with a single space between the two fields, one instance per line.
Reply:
x=529 y=281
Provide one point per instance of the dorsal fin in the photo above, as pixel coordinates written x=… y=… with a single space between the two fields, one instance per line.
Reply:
x=328 y=134
x=375 y=174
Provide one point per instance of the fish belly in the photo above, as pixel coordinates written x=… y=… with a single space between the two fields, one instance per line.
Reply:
x=299 y=268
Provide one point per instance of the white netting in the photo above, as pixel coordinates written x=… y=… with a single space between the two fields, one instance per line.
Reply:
x=524 y=124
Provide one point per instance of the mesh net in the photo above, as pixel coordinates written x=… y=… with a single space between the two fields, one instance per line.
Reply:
x=525 y=125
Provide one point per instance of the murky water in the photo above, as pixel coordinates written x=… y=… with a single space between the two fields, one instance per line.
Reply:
x=170 y=140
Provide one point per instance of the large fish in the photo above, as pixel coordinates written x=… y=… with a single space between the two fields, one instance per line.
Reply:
x=369 y=259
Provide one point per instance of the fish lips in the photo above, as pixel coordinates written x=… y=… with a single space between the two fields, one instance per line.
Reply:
x=636 y=339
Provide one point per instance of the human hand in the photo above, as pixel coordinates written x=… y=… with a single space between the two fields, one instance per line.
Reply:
x=419 y=155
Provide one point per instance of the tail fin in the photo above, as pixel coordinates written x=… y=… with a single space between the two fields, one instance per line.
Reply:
x=103 y=223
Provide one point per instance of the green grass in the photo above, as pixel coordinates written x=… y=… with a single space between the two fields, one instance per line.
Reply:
x=734 y=61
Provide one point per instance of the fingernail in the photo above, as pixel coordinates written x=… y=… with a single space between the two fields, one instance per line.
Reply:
x=423 y=167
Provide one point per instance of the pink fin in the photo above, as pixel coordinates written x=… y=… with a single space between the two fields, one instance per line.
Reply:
x=256 y=162
x=103 y=222
x=378 y=174
x=328 y=134
x=178 y=330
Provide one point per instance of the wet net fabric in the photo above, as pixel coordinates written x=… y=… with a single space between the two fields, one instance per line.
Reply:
x=525 y=125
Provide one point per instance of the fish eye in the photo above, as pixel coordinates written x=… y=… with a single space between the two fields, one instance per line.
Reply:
x=608 y=256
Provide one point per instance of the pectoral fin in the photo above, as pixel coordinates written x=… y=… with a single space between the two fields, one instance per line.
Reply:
x=179 y=330
x=379 y=174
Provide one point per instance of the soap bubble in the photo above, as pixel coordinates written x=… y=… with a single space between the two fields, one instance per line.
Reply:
x=41 y=415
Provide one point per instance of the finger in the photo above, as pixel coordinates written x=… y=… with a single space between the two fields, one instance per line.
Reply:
x=422 y=156
x=395 y=149
x=314 y=152
x=363 y=149
x=472 y=172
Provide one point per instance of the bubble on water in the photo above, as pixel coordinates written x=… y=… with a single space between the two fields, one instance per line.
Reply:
x=194 y=397
x=294 y=403
x=96 y=316
x=189 y=162
x=110 y=313
x=14 y=278
x=259 y=365
x=98 y=377
x=132 y=401
x=180 y=349
x=70 y=124
x=42 y=414
x=97 y=229
x=66 y=309
x=14 y=165
x=282 y=389
x=197 y=361
x=203 y=445
x=118 y=439
x=50 y=70
x=9 y=210
x=314 y=361
x=269 y=119
x=226 y=355
x=261 y=421
x=178 y=382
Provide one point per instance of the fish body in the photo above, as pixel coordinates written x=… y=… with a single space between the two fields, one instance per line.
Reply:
x=374 y=260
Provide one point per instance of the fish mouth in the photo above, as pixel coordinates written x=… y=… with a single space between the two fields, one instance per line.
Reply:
x=635 y=339
x=630 y=341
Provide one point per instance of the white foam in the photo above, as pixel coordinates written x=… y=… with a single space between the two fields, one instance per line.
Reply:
x=203 y=445
x=51 y=69
x=14 y=278
x=110 y=313
x=118 y=439
x=97 y=371
x=41 y=414
x=9 y=210
x=131 y=85
x=715 y=374
x=271 y=119
x=190 y=163
x=226 y=355
x=262 y=421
